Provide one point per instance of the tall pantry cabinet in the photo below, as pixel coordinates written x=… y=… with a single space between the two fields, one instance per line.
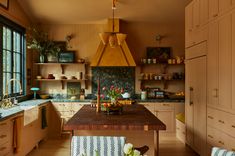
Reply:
x=195 y=104
x=220 y=76
x=196 y=45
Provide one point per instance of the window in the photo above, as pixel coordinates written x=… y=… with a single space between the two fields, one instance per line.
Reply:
x=12 y=64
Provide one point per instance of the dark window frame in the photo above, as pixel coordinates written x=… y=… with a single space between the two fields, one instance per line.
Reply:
x=4 y=22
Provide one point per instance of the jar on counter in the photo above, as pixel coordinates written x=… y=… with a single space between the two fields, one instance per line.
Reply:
x=143 y=95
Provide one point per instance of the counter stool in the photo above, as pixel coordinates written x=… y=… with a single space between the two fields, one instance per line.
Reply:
x=216 y=151
x=102 y=145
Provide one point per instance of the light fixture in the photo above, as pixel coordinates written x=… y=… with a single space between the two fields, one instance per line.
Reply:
x=113 y=38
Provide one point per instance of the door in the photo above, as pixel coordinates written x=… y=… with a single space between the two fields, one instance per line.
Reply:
x=195 y=106
x=213 y=64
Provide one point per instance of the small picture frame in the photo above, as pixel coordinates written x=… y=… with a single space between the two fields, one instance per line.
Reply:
x=4 y=4
x=67 y=57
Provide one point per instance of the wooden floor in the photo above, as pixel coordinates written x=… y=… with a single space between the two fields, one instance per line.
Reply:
x=169 y=146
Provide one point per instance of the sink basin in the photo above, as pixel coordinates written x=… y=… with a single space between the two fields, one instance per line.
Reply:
x=30 y=114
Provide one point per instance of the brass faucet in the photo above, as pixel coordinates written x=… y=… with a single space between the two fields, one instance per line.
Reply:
x=6 y=102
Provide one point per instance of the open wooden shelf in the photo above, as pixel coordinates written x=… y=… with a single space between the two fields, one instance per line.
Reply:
x=59 y=63
x=60 y=80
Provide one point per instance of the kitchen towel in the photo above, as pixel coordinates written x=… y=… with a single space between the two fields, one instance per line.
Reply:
x=17 y=134
x=44 y=117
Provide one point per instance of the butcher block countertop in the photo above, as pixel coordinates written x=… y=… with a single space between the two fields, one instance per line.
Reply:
x=134 y=117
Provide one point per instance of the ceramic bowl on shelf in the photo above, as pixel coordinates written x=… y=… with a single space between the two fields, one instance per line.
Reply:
x=44 y=96
x=39 y=77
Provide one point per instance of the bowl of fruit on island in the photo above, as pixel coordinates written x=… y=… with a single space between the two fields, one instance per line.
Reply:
x=112 y=108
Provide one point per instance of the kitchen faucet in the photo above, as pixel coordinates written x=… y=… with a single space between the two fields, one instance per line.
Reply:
x=6 y=103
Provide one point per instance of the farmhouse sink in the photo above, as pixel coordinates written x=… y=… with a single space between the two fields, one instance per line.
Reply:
x=30 y=114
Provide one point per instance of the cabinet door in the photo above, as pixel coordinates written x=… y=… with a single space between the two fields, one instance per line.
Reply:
x=150 y=107
x=196 y=14
x=213 y=64
x=225 y=62
x=168 y=118
x=233 y=60
x=204 y=11
x=189 y=71
x=213 y=8
x=188 y=25
x=196 y=104
x=224 y=5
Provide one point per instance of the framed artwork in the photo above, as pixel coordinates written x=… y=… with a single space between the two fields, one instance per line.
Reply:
x=162 y=54
x=4 y=4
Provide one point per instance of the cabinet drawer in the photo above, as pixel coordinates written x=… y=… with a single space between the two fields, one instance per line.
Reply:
x=5 y=149
x=221 y=120
x=217 y=138
x=164 y=106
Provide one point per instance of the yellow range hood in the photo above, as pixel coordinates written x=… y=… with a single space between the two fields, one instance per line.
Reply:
x=113 y=49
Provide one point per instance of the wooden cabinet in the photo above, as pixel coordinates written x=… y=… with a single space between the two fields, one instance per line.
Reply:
x=219 y=7
x=196 y=16
x=195 y=104
x=6 y=137
x=213 y=9
x=165 y=112
x=233 y=60
x=213 y=64
x=225 y=53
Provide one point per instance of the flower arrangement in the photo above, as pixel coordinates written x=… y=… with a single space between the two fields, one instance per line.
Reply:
x=113 y=92
x=130 y=151
x=39 y=40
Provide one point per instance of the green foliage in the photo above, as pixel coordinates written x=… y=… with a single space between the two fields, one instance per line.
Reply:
x=39 y=40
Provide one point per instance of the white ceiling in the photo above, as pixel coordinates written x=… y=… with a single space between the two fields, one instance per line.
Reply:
x=93 y=11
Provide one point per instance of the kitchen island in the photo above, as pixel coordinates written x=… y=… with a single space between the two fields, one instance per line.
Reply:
x=136 y=123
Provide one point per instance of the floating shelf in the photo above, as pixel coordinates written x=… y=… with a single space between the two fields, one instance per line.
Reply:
x=60 y=80
x=61 y=64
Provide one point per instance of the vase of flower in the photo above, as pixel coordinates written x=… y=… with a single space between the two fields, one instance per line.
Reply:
x=42 y=58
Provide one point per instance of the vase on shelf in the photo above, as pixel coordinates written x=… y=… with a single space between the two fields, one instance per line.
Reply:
x=42 y=58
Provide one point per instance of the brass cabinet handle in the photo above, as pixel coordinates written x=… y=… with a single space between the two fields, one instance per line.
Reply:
x=221 y=142
x=177 y=128
x=3 y=136
x=210 y=117
x=197 y=25
x=233 y=126
x=164 y=104
x=183 y=133
x=2 y=148
x=221 y=121
x=210 y=136
x=190 y=96
x=3 y=124
x=233 y=149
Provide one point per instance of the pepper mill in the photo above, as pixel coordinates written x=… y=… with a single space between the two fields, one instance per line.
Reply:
x=98 y=96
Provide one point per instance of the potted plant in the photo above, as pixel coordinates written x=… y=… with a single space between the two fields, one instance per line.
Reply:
x=39 y=40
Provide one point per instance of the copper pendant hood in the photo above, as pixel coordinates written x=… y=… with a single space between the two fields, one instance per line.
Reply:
x=113 y=49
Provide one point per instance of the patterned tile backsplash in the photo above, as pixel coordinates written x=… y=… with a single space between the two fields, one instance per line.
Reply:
x=122 y=77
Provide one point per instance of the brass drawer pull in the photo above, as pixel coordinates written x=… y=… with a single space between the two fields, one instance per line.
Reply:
x=178 y=128
x=233 y=126
x=233 y=149
x=221 y=142
x=3 y=136
x=166 y=104
x=210 y=136
x=3 y=124
x=2 y=148
x=183 y=133
x=210 y=117
x=221 y=121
